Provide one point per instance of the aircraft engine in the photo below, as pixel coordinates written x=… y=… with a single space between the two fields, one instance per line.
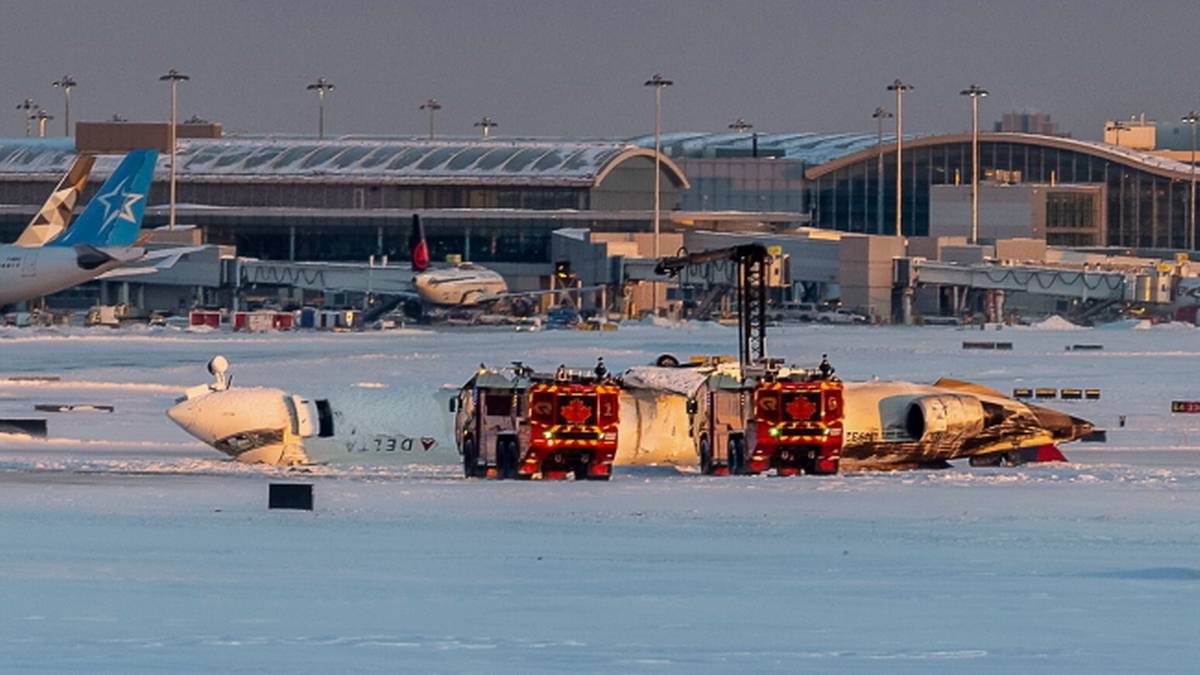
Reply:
x=944 y=419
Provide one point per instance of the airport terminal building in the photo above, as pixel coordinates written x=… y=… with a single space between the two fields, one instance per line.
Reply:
x=501 y=201
x=1135 y=199
x=348 y=199
x=498 y=200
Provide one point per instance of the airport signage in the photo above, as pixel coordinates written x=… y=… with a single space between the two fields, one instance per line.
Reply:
x=1185 y=406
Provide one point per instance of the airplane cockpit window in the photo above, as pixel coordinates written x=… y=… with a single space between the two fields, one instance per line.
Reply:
x=324 y=419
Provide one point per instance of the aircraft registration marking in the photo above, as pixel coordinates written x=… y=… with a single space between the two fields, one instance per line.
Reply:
x=397 y=443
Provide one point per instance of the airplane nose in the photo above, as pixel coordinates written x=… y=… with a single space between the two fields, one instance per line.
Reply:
x=193 y=417
x=235 y=420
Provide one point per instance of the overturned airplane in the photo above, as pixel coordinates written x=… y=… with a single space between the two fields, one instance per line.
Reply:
x=718 y=416
x=735 y=420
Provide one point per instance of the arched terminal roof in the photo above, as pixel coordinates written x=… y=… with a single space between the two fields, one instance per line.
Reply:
x=811 y=148
x=1144 y=161
x=401 y=161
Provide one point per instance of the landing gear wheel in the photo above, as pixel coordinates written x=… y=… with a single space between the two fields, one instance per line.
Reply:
x=470 y=458
x=706 y=460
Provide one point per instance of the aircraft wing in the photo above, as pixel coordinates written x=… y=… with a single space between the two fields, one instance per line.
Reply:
x=967 y=387
x=536 y=294
x=166 y=259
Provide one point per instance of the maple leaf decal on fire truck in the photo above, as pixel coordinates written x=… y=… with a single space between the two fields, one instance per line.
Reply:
x=801 y=408
x=577 y=412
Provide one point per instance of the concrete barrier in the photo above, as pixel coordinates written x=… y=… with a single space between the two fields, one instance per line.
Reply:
x=30 y=426
x=290 y=496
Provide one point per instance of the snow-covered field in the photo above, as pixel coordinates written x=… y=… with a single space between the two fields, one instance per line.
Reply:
x=127 y=546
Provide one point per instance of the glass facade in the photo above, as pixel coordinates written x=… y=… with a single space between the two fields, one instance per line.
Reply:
x=354 y=238
x=1071 y=218
x=743 y=184
x=1143 y=209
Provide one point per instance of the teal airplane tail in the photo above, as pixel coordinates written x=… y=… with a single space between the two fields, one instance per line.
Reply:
x=114 y=215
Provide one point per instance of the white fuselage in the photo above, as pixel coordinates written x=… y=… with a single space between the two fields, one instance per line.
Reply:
x=270 y=426
x=462 y=285
x=27 y=273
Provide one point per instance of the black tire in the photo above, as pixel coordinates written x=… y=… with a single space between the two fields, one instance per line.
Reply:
x=506 y=458
x=706 y=459
x=581 y=472
x=414 y=310
x=470 y=455
x=736 y=455
x=666 y=361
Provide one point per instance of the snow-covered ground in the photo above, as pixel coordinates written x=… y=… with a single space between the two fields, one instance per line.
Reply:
x=128 y=546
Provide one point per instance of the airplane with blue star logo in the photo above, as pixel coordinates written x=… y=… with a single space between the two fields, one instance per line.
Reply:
x=103 y=237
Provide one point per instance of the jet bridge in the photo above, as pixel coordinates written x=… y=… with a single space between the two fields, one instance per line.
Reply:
x=1146 y=285
x=328 y=277
x=1056 y=281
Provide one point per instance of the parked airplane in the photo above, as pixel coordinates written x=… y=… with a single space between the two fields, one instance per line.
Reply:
x=55 y=214
x=102 y=238
x=462 y=285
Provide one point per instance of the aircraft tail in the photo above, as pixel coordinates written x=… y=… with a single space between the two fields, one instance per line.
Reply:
x=420 y=249
x=114 y=215
x=55 y=214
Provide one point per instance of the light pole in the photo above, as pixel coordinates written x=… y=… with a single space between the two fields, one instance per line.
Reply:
x=322 y=86
x=1191 y=119
x=899 y=87
x=659 y=83
x=879 y=116
x=67 y=83
x=174 y=77
x=486 y=125
x=741 y=126
x=28 y=106
x=432 y=105
x=42 y=117
x=975 y=92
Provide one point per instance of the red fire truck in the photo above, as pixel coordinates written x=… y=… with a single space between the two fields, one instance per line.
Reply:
x=797 y=425
x=573 y=420
x=514 y=423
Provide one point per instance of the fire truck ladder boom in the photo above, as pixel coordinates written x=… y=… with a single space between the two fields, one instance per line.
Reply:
x=751 y=260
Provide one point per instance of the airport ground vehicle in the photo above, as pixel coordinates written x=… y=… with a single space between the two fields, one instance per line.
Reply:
x=797 y=425
x=840 y=316
x=515 y=423
x=752 y=420
x=794 y=312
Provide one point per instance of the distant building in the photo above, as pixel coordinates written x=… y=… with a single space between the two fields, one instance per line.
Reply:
x=1028 y=122
x=1060 y=215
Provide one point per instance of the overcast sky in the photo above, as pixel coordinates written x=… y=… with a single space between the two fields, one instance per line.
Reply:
x=565 y=67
